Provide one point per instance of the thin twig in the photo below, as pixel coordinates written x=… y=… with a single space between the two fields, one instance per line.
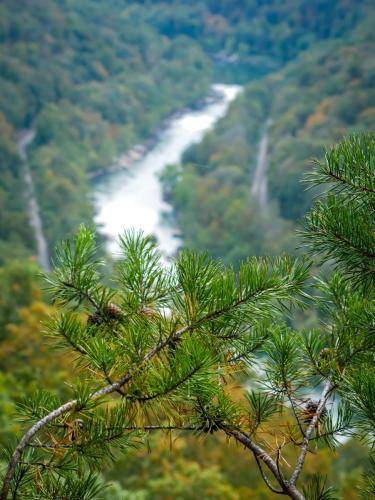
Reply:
x=128 y=428
x=265 y=478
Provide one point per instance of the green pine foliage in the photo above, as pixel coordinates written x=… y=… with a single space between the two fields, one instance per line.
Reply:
x=162 y=348
x=163 y=337
x=343 y=225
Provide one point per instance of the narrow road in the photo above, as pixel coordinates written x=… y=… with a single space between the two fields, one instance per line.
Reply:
x=24 y=138
x=259 y=185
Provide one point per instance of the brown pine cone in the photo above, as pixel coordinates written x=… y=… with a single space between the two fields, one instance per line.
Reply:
x=310 y=410
x=147 y=311
x=112 y=311
x=94 y=319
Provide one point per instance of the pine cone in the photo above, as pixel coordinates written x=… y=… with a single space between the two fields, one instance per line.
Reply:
x=147 y=311
x=75 y=429
x=310 y=410
x=326 y=353
x=112 y=311
x=94 y=319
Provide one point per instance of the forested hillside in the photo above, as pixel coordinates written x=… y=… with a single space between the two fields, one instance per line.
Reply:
x=324 y=94
x=256 y=36
x=93 y=78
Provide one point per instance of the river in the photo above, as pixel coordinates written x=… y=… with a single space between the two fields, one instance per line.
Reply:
x=132 y=198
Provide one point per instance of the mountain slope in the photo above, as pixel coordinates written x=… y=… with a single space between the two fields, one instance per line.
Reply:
x=327 y=92
x=94 y=78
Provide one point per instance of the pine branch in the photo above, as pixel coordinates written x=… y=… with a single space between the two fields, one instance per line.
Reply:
x=106 y=390
x=170 y=389
x=201 y=293
x=346 y=182
x=81 y=292
x=110 y=381
x=305 y=443
x=265 y=478
x=262 y=455
x=348 y=166
x=70 y=406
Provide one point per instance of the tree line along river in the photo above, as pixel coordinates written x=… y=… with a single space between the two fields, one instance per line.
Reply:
x=132 y=197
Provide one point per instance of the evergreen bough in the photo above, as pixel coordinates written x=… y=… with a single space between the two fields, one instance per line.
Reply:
x=159 y=347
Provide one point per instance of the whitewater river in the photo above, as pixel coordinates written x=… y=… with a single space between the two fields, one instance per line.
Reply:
x=132 y=198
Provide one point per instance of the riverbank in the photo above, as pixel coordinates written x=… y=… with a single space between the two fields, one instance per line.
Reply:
x=139 y=151
x=132 y=198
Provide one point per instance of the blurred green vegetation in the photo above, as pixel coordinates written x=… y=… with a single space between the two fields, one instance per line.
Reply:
x=92 y=78
x=326 y=93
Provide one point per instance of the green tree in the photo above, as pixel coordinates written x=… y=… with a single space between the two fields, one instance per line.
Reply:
x=162 y=348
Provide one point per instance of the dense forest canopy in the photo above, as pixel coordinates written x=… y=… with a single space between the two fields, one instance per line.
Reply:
x=94 y=78
x=315 y=100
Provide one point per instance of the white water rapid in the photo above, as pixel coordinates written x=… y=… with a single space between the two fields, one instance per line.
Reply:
x=132 y=198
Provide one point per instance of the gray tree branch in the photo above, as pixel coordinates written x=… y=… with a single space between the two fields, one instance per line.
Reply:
x=115 y=387
x=328 y=387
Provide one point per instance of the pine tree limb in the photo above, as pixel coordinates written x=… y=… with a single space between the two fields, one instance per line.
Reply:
x=328 y=387
x=25 y=440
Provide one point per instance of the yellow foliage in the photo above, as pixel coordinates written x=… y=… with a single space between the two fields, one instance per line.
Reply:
x=367 y=117
x=215 y=157
x=26 y=351
x=320 y=114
